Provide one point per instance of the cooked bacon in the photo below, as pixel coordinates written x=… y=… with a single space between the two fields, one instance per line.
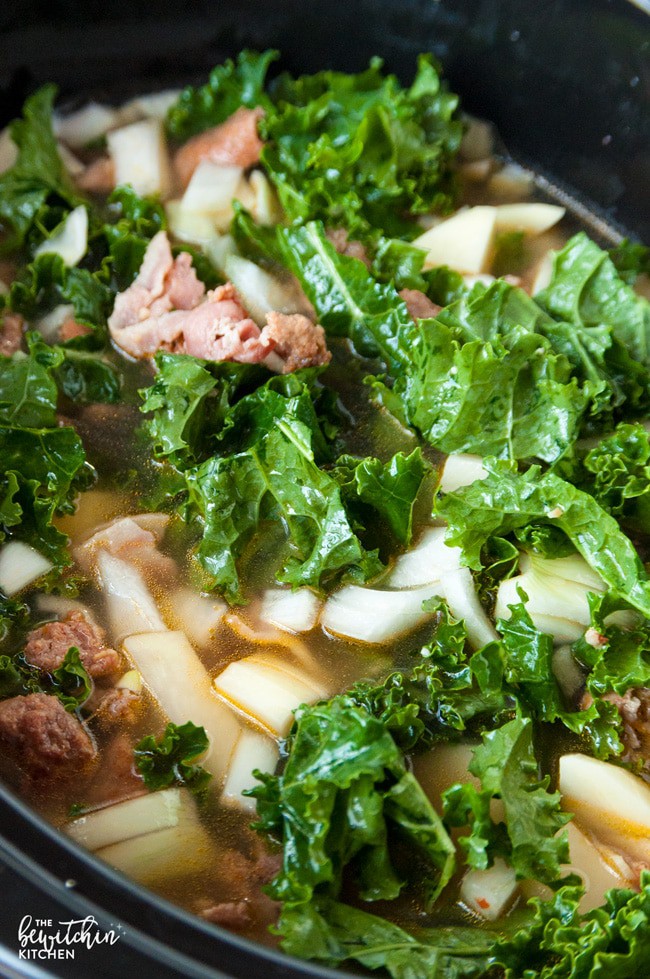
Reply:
x=98 y=177
x=166 y=308
x=42 y=739
x=348 y=246
x=47 y=645
x=234 y=143
x=298 y=341
x=11 y=334
x=419 y=306
x=116 y=706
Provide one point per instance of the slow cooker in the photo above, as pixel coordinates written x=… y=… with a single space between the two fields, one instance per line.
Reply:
x=567 y=83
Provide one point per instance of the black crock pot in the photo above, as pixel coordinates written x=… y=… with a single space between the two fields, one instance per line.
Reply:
x=568 y=84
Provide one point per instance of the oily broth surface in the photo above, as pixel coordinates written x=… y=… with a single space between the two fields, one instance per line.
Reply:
x=122 y=458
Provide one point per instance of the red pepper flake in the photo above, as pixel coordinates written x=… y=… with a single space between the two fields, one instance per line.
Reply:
x=482 y=903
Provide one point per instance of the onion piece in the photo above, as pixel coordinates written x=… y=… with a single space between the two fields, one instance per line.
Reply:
x=543 y=274
x=129 y=604
x=491 y=892
x=85 y=125
x=177 y=679
x=267 y=691
x=252 y=751
x=461 y=469
x=460 y=593
x=464 y=242
x=428 y=561
x=139 y=152
x=20 y=565
x=70 y=240
x=373 y=616
x=197 y=615
x=293 y=611
x=132 y=818
x=212 y=189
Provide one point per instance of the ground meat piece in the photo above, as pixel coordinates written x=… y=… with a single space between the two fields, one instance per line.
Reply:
x=11 y=334
x=296 y=340
x=230 y=914
x=47 y=645
x=634 y=708
x=42 y=738
x=419 y=306
x=98 y=177
x=234 y=143
x=116 y=706
x=346 y=246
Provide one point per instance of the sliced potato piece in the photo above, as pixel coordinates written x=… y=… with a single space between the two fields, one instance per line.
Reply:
x=608 y=802
x=134 y=817
x=464 y=242
x=139 y=152
x=252 y=751
x=168 y=854
x=293 y=611
x=20 y=565
x=373 y=616
x=267 y=692
x=531 y=217
x=70 y=240
x=461 y=469
x=211 y=189
x=176 y=677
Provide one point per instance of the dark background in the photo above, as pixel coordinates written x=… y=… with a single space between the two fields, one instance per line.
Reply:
x=566 y=81
x=568 y=84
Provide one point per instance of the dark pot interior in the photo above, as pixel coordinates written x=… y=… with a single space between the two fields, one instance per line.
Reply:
x=568 y=85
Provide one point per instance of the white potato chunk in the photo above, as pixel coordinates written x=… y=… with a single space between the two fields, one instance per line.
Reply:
x=267 y=691
x=252 y=751
x=490 y=892
x=461 y=469
x=293 y=611
x=178 y=680
x=139 y=153
x=608 y=802
x=531 y=217
x=70 y=239
x=464 y=241
x=20 y=565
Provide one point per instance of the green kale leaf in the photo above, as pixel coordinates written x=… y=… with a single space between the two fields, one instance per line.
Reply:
x=360 y=151
x=528 y=838
x=506 y=500
x=231 y=85
x=38 y=178
x=171 y=758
